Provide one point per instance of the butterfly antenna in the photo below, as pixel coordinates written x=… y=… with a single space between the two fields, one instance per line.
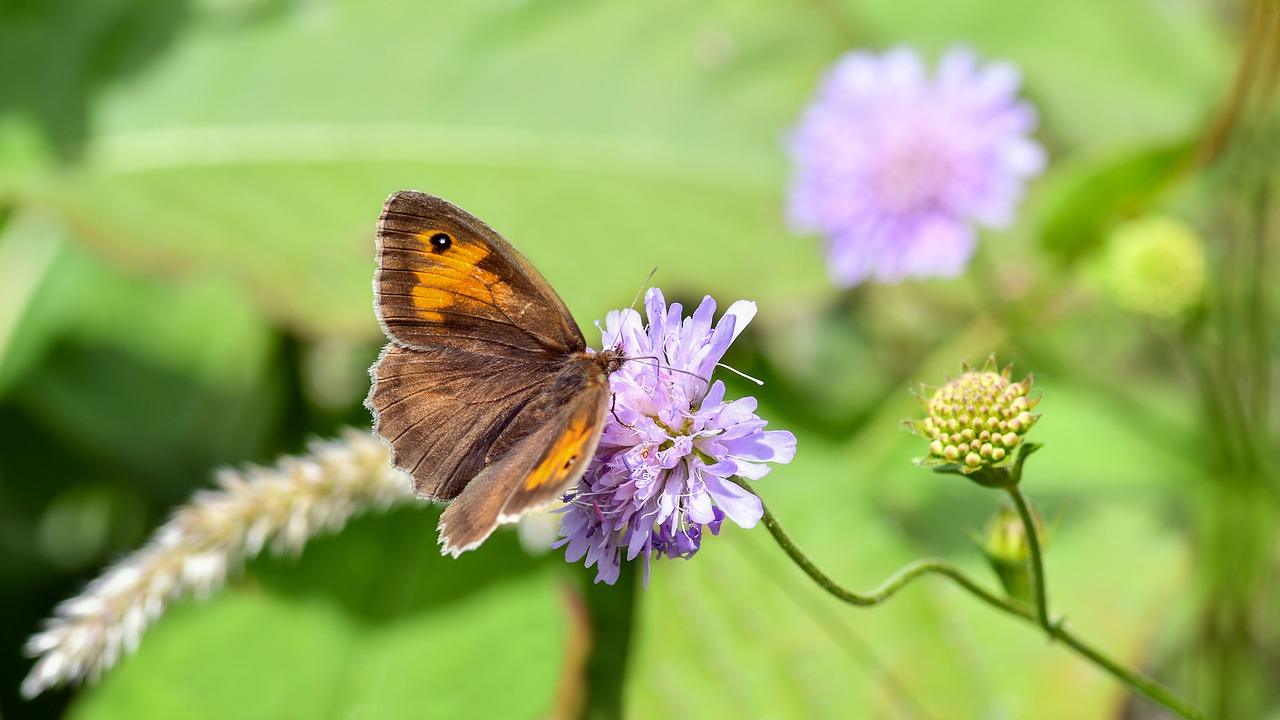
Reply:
x=640 y=292
x=634 y=301
x=658 y=364
x=740 y=373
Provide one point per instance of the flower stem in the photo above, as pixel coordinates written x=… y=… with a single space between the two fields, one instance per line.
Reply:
x=927 y=566
x=1032 y=532
x=1146 y=686
x=896 y=582
x=611 y=610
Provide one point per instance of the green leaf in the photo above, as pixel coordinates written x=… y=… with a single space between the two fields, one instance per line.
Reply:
x=97 y=43
x=1086 y=200
x=30 y=252
x=163 y=378
x=655 y=143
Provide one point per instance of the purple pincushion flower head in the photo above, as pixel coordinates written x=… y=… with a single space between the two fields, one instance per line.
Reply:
x=894 y=168
x=659 y=477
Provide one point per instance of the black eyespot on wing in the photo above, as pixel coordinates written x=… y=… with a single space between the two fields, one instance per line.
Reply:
x=441 y=242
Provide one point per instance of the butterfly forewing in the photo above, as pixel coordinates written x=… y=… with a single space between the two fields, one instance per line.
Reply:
x=445 y=279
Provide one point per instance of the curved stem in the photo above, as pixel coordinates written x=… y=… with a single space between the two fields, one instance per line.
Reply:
x=889 y=587
x=919 y=568
x=1032 y=531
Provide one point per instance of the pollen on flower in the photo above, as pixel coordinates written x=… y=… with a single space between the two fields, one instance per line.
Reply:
x=977 y=419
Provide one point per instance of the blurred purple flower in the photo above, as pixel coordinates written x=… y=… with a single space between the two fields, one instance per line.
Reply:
x=894 y=167
x=659 y=476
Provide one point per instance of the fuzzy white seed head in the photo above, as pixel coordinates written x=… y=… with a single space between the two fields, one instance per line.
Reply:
x=206 y=539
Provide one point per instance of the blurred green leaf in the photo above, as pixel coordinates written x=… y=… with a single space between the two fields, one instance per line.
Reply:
x=1087 y=199
x=198 y=326
x=611 y=625
x=163 y=378
x=30 y=252
x=150 y=424
x=264 y=156
x=55 y=55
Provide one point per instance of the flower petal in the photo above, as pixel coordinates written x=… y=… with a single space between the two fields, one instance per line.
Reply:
x=740 y=506
x=742 y=312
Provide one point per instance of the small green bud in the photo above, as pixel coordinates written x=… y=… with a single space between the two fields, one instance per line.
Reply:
x=1154 y=266
x=1004 y=543
x=985 y=417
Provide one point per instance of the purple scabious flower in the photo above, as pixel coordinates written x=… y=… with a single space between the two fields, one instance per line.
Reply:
x=894 y=168
x=659 y=477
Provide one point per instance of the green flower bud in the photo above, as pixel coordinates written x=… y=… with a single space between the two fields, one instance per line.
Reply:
x=1004 y=543
x=1154 y=266
x=976 y=420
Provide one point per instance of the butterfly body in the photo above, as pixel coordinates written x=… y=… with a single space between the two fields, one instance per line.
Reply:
x=487 y=393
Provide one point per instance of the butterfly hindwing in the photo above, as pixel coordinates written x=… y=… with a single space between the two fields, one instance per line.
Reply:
x=444 y=412
x=531 y=475
x=563 y=459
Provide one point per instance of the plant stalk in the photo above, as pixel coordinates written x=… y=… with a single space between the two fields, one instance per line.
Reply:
x=920 y=568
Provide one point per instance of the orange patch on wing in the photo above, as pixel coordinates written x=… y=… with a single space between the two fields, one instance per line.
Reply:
x=563 y=455
x=453 y=276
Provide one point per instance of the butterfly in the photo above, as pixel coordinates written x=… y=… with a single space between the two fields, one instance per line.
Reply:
x=486 y=392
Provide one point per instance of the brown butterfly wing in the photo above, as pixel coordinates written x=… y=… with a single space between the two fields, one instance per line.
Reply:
x=532 y=474
x=498 y=437
x=444 y=411
x=470 y=291
x=486 y=393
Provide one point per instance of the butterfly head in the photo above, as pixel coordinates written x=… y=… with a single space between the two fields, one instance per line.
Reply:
x=609 y=359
